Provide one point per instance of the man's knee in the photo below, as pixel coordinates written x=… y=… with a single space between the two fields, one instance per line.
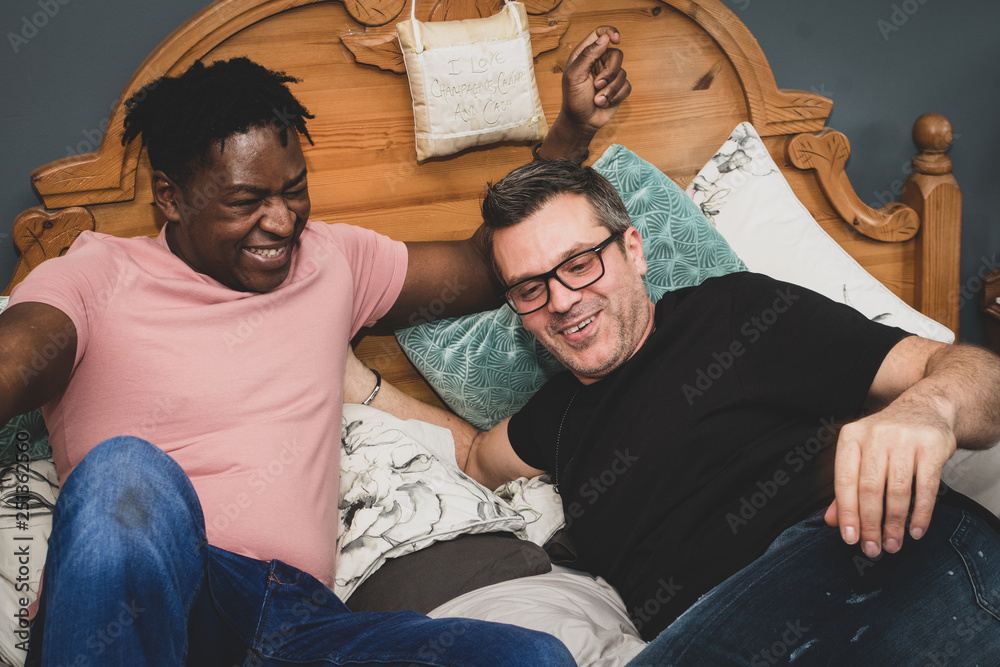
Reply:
x=125 y=461
x=123 y=456
x=126 y=485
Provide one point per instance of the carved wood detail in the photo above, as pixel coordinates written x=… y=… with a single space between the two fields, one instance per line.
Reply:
x=108 y=174
x=827 y=154
x=720 y=45
x=374 y=12
x=376 y=47
x=452 y=10
x=459 y=10
x=40 y=234
x=773 y=111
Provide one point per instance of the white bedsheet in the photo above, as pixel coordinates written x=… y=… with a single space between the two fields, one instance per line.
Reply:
x=584 y=612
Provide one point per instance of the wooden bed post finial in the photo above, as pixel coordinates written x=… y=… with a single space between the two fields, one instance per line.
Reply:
x=933 y=136
x=932 y=191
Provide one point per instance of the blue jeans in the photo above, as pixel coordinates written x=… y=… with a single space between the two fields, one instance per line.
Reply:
x=131 y=580
x=813 y=600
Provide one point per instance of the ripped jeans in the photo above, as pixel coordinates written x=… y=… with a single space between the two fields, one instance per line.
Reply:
x=130 y=580
x=813 y=600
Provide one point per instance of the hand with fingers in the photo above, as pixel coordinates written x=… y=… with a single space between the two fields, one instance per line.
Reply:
x=884 y=462
x=594 y=85
x=594 y=82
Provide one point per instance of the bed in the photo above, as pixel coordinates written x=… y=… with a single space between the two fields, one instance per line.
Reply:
x=705 y=111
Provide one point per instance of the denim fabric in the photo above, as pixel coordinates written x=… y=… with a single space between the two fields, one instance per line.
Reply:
x=813 y=600
x=131 y=580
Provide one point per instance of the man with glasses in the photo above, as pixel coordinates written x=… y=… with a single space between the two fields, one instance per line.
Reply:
x=721 y=500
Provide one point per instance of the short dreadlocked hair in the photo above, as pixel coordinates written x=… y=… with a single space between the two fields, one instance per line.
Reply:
x=181 y=118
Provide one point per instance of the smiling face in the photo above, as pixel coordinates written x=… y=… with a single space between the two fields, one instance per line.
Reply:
x=593 y=330
x=239 y=217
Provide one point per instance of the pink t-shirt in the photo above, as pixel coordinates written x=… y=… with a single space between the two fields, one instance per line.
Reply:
x=243 y=390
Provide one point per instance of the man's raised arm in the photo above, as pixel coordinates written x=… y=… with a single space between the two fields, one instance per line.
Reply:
x=593 y=86
x=932 y=398
x=37 y=349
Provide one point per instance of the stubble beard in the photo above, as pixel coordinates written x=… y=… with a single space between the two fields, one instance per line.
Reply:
x=632 y=325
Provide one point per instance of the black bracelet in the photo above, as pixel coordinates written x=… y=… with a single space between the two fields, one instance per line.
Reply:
x=578 y=162
x=378 y=385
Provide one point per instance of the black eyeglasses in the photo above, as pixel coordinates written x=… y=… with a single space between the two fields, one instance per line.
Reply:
x=581 y=270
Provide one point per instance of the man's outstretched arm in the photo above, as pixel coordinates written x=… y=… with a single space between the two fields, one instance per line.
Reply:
x=593 y=85
x=486 y=456
x=37 y=350
x=930 y=397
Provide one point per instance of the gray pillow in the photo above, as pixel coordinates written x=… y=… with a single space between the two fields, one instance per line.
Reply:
x=426 y=579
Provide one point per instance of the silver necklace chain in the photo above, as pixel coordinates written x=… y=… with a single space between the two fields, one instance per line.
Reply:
x=559 y=434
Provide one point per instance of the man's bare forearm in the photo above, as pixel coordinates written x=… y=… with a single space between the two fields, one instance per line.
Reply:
x=964 y=381
x=359 y=383
x=404 y=406
x=933 y=397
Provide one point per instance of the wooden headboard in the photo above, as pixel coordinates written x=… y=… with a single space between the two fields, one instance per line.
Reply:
x=696 y=73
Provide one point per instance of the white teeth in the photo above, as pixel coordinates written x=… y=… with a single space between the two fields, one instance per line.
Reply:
x=579 y=326
x=273 y=252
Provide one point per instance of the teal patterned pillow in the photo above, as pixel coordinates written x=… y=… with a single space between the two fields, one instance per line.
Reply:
x=485 y=366
x=25 y=434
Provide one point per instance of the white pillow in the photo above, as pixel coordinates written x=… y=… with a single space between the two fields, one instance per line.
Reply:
x=400 y=491
x=977 y=475
x=742 y=191
x=472 y=81
x=25 y=543
x=584 y=612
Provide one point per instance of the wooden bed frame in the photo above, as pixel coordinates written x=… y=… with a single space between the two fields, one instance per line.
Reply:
x=696 y=72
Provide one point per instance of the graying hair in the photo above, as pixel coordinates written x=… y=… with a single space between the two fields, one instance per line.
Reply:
x=525 y=190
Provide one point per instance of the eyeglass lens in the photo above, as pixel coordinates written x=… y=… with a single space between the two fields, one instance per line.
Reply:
x=575 y=273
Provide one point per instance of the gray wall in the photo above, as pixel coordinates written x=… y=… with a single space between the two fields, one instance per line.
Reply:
x=882 y=62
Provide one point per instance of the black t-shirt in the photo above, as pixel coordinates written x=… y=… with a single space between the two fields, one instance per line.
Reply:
x=685 y=463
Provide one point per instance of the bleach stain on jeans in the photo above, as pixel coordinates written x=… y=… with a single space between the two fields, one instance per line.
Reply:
x=797 y=653
x=858 y=598
x=130 y=510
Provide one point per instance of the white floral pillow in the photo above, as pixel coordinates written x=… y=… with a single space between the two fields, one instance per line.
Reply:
x=538 y=502
x=400 y=491
x=28 y=492
x=742 y=191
